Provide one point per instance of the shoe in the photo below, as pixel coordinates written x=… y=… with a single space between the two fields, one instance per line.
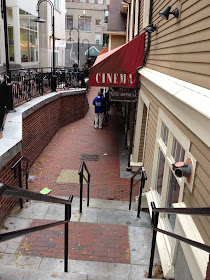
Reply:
x=95 y=127
x=100 y=127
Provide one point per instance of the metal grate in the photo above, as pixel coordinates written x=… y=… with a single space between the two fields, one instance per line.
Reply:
x=89 y=157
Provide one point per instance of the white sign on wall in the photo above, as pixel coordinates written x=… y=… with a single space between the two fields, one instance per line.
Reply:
x=60 y=43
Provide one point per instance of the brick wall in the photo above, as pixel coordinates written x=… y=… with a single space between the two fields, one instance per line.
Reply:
x=208 y=270
x=7 y=177
x=38 y=129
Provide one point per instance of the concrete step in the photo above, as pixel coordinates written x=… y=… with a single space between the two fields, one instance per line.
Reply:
x=9 y=273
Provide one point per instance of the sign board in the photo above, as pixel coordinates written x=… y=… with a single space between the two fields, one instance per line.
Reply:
x=123 y=95
x=60 y=43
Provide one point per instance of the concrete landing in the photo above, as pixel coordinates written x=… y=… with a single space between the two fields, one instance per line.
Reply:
x=124 y=241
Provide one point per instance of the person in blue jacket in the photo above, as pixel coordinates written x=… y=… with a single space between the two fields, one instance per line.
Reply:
x=99 y=104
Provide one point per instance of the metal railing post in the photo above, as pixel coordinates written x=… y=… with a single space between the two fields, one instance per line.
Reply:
x=20 y=182
x=131 y=190
x=155 y=224
x=81 y=190
x=66 y=237
x=88 y=190
x=143 y=179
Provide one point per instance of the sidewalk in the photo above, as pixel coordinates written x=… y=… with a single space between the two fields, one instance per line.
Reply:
x=107 y=241
x=98 y=147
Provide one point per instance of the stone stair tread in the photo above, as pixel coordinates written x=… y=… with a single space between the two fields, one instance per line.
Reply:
x=10 y=273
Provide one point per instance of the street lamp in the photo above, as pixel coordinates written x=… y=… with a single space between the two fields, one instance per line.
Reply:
x=70 y=39
x=40 y=20
x=88 y=50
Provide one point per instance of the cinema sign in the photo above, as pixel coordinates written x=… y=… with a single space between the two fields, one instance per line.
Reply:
x=123 y=95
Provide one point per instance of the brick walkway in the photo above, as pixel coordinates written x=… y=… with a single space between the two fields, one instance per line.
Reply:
x=66 y=148
x=87 y=242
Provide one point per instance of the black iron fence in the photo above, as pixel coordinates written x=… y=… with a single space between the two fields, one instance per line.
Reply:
x=33 y=82
x=30 y=83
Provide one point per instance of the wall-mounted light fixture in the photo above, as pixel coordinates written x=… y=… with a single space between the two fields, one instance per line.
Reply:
x=165 y=13
x=151 y=28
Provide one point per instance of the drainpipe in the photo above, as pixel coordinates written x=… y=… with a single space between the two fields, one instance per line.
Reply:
x=137 y=74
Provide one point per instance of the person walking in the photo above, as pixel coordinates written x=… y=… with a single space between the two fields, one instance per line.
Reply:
x=99 y=104
x=107 y=104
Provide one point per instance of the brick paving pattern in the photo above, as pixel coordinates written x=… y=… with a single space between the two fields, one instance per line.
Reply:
x=87 y=241
x=65 y=151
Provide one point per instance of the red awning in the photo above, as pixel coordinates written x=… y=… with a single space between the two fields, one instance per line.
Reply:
x=117 y=68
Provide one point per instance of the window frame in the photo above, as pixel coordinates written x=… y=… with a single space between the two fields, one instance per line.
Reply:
x=167 y=150
x=84 y=19
x=30 y=31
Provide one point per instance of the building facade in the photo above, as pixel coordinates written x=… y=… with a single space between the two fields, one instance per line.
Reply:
x=88 y=21
x=172 y=123
x=30 y=44
x=116 y=27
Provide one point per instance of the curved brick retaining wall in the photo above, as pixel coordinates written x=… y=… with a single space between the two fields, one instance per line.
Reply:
x=29 y=130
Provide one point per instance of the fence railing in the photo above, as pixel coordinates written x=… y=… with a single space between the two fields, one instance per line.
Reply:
x=81 y=178
x=20 y=169
x=143 y=177
x=183 y=211
x=6 y=190
x=33 y=82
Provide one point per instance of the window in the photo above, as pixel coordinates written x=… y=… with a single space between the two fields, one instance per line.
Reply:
x=57 y=4
x=168 y=188
x=100 y=2
x=82 y=1
x=28 y=37
x=91 y=1
x=69 y=22
x=84 y=23
x=98 y=22
x=97 y=38
x=10 y=34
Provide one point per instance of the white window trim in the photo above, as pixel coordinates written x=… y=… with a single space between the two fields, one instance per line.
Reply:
x=142 y=100
x=185 y=143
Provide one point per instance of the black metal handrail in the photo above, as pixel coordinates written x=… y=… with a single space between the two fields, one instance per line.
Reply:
x=6 y=190
x=81 y=177
x=182 y=211
x=18 y=165
x=143 y=178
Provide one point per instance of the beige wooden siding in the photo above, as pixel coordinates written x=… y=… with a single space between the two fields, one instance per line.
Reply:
x=200 y=196
x=117 y=40
x=141 y=30
x=181 y=47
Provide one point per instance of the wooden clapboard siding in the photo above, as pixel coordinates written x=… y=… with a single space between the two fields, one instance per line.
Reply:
x=181 y=47
x=117 y=40
x=200 y=196
x=141 y=30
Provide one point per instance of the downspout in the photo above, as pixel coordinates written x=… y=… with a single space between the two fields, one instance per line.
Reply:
x=148 y=45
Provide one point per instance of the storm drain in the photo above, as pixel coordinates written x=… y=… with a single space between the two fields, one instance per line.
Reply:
x=86 y=157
